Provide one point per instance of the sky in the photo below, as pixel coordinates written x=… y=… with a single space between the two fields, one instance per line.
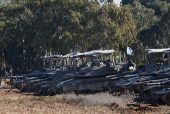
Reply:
x=117 y=2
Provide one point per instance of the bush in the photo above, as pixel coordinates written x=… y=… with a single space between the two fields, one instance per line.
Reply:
x=141 y=65
x=158 y=59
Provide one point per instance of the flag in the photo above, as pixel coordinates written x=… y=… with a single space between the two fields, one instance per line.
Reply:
x=129 y=50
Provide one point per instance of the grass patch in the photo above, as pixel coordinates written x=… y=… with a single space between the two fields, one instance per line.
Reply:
x=103 y=99
x=9 y=101
x=40 y=100
x=6 y=100
x=21 y=101
x=35 y=98
x=72 y=99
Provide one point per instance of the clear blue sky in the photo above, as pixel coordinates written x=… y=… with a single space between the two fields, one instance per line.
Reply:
x=117 y=2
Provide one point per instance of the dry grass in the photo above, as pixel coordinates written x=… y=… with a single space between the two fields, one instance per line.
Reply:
x=103 y=99
x=34 y=100
x=14 y=101
x=40 y=100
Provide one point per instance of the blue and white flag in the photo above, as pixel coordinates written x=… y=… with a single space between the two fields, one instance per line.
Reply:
x=129 y=50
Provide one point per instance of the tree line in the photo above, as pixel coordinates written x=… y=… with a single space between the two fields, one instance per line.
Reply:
x=33 y=28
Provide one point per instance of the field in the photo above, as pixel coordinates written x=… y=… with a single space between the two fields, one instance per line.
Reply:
x=16 y=102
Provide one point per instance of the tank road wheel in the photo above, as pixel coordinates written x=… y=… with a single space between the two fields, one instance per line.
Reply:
x=166 y=98
x=147 y=96
x=49 y=91
x=159 y=99
x=156 y=100
x=110 y=90
x=60 y=90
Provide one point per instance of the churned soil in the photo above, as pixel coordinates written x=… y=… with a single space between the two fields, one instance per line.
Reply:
x=12 y=101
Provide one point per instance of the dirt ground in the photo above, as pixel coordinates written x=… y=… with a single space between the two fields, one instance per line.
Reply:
x=16 y=102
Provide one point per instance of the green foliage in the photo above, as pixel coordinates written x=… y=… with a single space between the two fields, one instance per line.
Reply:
x=140 y=65
x=158 y=58
x=143 y=17
x=158 y=33
x=33 y=28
